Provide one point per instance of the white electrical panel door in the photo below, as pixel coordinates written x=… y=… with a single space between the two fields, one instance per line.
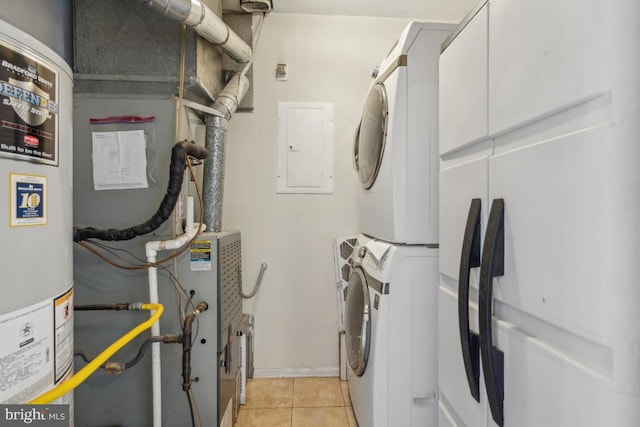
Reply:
x=305 y=148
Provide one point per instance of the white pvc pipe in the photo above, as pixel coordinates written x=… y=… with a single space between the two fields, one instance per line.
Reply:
x=190 y=227
x=151 y=251
x=156 y=367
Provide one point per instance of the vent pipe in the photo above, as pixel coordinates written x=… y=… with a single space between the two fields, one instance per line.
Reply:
x=211 y=27
x=256 y=6
x=205 y=22
x=215 y=141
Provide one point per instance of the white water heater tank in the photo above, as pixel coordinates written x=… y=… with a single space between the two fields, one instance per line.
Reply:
x=36 y=266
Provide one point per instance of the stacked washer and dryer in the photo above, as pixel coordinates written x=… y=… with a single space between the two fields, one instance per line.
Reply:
x=391 y=303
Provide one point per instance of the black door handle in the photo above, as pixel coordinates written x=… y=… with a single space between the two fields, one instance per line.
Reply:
x=469 y=258
x=492 y=266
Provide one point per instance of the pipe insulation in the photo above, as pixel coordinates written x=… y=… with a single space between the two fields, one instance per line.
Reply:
x=215 y=142
x=205 y=22
x=177 y=167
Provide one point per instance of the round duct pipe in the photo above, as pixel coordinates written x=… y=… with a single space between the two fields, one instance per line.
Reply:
x=256 y=6
x=205 y=22
x=213 y=178
x=215 y=141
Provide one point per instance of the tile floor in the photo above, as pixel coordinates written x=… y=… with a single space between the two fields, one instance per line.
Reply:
x=296 y=402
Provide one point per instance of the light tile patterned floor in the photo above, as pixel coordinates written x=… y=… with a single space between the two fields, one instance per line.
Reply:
x=297 y=402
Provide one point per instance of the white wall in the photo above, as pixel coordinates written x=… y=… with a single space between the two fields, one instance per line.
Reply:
x=329 y=59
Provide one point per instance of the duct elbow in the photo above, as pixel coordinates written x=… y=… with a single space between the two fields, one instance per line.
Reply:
x=232 y=94
x=205 y=22
x=180 y=10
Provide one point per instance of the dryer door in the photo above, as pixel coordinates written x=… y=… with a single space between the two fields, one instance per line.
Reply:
x=371 y=136
x=358 y=321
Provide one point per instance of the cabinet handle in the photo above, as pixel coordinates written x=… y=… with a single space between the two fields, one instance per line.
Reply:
x=469 y=258
x=492 y=266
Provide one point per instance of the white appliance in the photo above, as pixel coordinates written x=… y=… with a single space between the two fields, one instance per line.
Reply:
x=343 y=249
x=391 y=334
x=36 y=170
x=395 y=149
x=539 y=186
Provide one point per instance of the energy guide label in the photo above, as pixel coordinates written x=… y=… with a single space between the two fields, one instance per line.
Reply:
x=201 y=255
x=26 y=354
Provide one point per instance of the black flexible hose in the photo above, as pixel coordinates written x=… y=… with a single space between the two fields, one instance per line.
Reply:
x=114 y=367
x=83 y=355
x=179 y=155
x=141 y=352
x=145 y=345
x=116 y=306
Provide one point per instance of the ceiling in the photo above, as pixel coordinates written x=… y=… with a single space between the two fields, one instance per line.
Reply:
x=450 y=10
x=445 y=10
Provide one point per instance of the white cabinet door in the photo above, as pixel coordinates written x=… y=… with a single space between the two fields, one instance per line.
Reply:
x=459 y=186
x=565 y=310
x=463 y=86
x=545 y=56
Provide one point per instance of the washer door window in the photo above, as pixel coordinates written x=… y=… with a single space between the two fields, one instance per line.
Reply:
x=358 y=322
x=371 y=136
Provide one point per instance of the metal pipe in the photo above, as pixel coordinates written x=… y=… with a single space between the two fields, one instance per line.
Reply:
x=263 y=268
x=151 y=250
x=205 y=22
x=231 y=95
x=213 y=175
x=187 y=330
x=215 y=144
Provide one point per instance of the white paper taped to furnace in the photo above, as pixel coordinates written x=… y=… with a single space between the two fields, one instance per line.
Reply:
x=119 y=160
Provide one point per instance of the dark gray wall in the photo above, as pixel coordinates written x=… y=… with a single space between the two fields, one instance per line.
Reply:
x=125 y=400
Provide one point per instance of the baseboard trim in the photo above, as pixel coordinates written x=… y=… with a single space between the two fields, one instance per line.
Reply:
x=299 y=372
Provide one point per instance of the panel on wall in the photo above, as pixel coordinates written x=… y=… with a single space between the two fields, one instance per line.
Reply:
x=305 y=148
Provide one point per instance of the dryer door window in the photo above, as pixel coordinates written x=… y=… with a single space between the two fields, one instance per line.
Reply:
x=358 y=322
x=371 y=136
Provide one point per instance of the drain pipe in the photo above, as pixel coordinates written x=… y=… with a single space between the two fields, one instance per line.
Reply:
x=151 y=250
x=215 y=141
x=205 y=22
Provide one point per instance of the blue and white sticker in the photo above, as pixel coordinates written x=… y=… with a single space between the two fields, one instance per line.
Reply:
x=201 y=255
x=28 y=202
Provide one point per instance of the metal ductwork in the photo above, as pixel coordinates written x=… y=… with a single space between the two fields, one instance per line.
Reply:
x=215 y=141
x=256 y=6
x=205 y=22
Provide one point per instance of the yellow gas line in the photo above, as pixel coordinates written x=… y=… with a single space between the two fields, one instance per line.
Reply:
x=73 y=382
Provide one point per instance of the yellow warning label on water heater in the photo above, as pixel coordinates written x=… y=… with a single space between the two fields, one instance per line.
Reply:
x=28 y=200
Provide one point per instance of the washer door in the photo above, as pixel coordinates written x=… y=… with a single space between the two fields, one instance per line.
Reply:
x=371 y=136
x=358 y=322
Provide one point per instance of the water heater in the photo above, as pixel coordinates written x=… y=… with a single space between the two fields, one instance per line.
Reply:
x=36 y=266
